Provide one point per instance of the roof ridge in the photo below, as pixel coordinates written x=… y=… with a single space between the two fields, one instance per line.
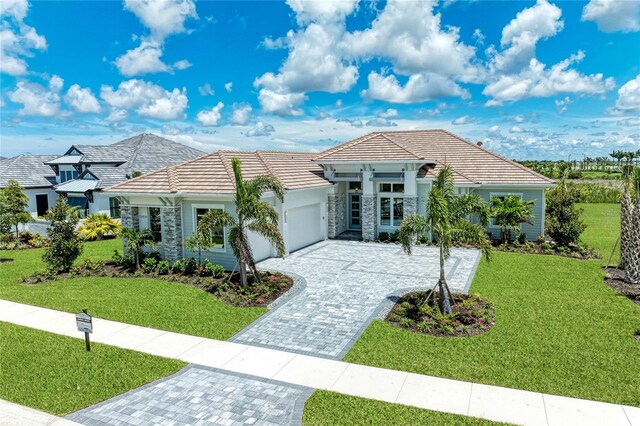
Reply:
x=172 y=178
x=226 y=168
x=514 y=163
x=134 y=155
x=266 y=165
x=346 y=145
x=401 y=146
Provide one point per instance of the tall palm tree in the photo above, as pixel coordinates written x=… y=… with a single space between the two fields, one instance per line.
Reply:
x=252 y=215
x=509 y=213
x=447 y=220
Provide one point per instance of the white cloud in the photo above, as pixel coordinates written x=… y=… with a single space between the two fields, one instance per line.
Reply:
x=380 y=122
x=81 y=99
x=282 y=104
x=206 y=90
x=116 y=115
x=354 y=122
x=36 y=99
x=211 y=117
x=520 y=36
x=228 y=86
x=516 y=129
x=147 y=99
x=465 y=119
x=478 y=36
x=629 y=95
x=17 y=40
x=144 y=59
x=613 y=15
x=562 y=104
x=494 y=132
x=538 y=81
x=419 y=88
x=241 y=114
x=261 y=129
x=389 y=113
x=326 y=10
x=182 y=65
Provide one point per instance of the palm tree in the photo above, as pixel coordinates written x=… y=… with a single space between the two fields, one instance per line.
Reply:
x=97 y=226
x=509 y=213
x=135 y=241
x=252 y=215
x=447 y=220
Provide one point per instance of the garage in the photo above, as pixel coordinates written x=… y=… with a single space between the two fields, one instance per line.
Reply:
x=305 y=226
x=260 y=246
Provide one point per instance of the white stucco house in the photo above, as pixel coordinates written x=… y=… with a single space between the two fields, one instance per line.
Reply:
x=365 y=186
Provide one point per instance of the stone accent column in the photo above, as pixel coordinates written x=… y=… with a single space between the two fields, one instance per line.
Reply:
x=129 y=217
x=172 y=233
x=410 y=206
x=369 y=218
x=332 y=215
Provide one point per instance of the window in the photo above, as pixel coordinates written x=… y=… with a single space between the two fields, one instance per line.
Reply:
x=114 y=207
x=392 y=187
x=218 y=233
x=391 y=211
x=155 y=223
x=355 y=186
x=66 y=175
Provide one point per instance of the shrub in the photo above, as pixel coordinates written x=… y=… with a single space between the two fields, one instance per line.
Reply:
x=65 y=244
x=423 y=239
x=135 y=241
x=393 y=237
x=149 y=265
x=13 y=207
x=383 y=236
x=163 y=267
x=93 y=265
x=98 y=226
x=178 y=266
x=210 y=269
x=563 y=222
x=190 y=266
x=122 y=260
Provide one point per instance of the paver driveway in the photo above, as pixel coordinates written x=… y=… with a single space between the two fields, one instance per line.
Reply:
x=347 y=283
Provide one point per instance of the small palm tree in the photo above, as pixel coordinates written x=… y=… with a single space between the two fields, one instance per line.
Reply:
x=509 y=213
x=252 y=215
x=135 y=241
x=447 y=220
x=97 y=226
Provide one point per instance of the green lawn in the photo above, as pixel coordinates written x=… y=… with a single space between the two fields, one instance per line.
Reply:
x=603 y=228
x=559 y=329
x=153 y=303
x=327 y=408
x=56 y=374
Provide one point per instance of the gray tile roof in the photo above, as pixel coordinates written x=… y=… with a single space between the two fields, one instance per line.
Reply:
x=29 y=170
x=77 y=185
x=106 y=175
x=66 y=159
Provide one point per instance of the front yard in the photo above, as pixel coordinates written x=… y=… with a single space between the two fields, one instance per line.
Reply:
x=142 y=301
x=559 y=329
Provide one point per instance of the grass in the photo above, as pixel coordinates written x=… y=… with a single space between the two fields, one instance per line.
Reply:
x=603 y=228
x=559 y=329
x=148 y=302
x=327 y=408
x=55 y=374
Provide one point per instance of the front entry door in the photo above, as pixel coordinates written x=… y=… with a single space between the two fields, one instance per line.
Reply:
x=42 y=204
x=355 y=219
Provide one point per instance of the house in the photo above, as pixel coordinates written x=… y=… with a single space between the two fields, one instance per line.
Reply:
x=367 y=185
x=85 y=170
x=36 y=179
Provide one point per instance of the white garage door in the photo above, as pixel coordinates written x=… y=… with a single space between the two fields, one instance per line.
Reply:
x=260 y=246
x=305 y=226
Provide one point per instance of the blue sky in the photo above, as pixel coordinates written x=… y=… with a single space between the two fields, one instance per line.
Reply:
x=529 y=79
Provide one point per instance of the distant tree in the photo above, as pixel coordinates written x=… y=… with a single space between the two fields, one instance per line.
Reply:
x=509 y=213
x=135 y=241
x=65 y=245
x=136 y=173
x=563 y=223
x=13 y=206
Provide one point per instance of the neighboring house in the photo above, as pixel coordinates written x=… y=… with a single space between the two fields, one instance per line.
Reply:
x=367 y=186
x=85 y=170
x=36 y=178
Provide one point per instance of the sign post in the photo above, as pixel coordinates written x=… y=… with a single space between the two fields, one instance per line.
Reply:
x=84 y=322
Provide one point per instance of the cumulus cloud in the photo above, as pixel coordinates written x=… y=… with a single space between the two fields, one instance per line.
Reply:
x=282 y=104
x=465 y=119
x=241 y=113
x=17 y=39
x=228 y=86
x=380 y=122
x=81 y=99
x=354 y=122
x=261 y=129
x=629 y=95
x=389 y=113
x=418 y=88
x=147 y=99
x=36 y=99
x=211 y=117
x=163 y=18
x=516 y=129
x=613 y=15
x=116 y=115
x=206 y=90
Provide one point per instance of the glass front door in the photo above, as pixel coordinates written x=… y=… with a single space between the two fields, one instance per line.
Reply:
x=355 y=219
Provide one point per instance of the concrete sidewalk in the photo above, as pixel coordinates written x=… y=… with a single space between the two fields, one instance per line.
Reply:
x=434 y=393
x=18 y=415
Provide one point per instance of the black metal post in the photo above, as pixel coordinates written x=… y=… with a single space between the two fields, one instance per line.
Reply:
x=86 y=336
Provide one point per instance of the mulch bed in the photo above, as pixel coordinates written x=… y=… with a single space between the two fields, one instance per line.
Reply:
x=471 y=315
x=615 y=279
x=258 y=293
x=548 y=249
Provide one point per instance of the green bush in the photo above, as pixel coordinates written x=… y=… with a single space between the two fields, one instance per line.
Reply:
x=209 y=269
x=178 y=266
x=65 y=246
x=163 y=267
x=383 y=236
x=122 y=260
x=423 y=239
x=563 y=222
x=149 y=265
x=190 y=266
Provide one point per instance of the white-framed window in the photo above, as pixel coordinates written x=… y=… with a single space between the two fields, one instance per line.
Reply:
x=502 y=196
x=114 y=207
x=66 y=175
x=390 y=210
x=155 y=223
x=395 y=188
x=218 y=233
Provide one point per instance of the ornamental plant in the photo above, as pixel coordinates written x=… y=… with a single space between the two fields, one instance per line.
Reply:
x=65 y=244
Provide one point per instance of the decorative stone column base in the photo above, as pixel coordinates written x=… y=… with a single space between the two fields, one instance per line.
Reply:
x=172 y=233
x=130 y=218
x=369 y=218
x=337 y=211
x=410 y=206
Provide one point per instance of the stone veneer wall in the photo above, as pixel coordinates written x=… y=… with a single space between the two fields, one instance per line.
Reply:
x=172 y=233
x=410 y=206
x=130 y=218
x=369 y=218
x=337 y=214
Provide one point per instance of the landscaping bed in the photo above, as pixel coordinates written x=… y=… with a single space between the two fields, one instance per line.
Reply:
x=548 y=248
x=470 y=315
x=25 y=241
x=615 y=279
